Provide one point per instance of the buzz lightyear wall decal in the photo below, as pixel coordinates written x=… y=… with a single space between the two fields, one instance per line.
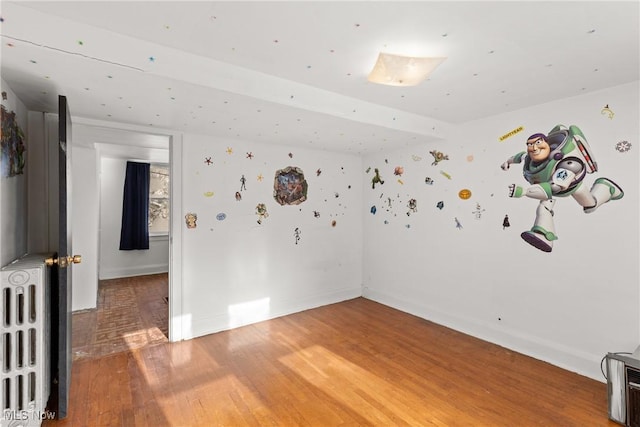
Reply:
x=555 y=165
x=261 y=211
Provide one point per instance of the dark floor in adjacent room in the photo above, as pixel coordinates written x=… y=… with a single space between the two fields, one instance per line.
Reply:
x=131 y=313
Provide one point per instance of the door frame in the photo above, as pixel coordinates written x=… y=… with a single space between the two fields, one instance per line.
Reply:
x=88 y=133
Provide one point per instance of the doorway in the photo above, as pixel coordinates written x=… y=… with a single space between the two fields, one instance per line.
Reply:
x=128 y=305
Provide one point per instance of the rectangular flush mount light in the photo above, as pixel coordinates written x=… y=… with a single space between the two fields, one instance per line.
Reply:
x=397 y=70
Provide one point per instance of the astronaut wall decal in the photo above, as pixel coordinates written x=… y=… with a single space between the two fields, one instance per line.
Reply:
x=555 y=165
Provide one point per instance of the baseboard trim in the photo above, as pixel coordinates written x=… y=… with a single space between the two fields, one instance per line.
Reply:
x=277 y=308
x=138 y=270
x=563 y=357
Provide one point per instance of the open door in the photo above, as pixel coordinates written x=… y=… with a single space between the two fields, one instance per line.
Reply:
x=61 y=308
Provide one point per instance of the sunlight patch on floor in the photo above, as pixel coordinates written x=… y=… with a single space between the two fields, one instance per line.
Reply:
x=353 y=386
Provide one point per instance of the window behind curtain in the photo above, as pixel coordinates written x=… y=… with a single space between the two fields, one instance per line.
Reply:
x=134 y=233
x=159 y=200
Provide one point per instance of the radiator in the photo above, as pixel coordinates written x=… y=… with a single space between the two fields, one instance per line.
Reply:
x=24 y=345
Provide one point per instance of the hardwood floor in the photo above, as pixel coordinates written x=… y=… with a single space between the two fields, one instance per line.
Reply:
x=131 y=313
x=355 y=363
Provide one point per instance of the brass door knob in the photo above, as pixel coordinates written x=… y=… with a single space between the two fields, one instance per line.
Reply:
x=64 y=261
x=76 y=259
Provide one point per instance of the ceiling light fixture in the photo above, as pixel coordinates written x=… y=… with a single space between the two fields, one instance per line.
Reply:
x=397 y=70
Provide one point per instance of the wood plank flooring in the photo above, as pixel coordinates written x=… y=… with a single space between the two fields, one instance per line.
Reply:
x=131 y=313
x=355 y=363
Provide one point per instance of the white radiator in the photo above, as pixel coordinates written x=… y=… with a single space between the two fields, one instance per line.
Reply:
x=25 y=334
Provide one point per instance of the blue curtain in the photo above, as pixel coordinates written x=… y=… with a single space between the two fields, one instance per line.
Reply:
x=135 y=208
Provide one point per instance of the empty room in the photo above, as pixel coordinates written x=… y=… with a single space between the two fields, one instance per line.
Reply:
x=320 y=213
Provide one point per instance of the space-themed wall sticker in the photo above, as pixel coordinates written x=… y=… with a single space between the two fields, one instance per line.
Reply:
x=470 y=158
x=511 y=133
x=190 y=219
x=318 y=172
x=243 y=183
x=445 y=174
x=316 y=214
x=221 y=216
x=238 y=196
x=208 y=194
x=412 y=204
x=334 y=223
x=12 y=157
x=249 y=155
x=229 y=150
x=289 y=186
x=464 y=194
x=478 y=212
x=261 y=211
x=428 y=181
x=296 y=234
x=373 y=210
x=208 y=161
x=606 y=111
x=505 y=222
x=555 y=165
x=416 y=158
x=623 y=146
x=438 y=156
x=458 y=223
x=398 y=171
x=440 y=205
x=376 y=178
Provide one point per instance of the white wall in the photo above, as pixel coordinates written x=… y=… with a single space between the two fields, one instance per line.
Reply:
x=13 y=192
x=236 y=271
x=114 y=262
x=569 y=307
x=86 y=211
x=93 y=140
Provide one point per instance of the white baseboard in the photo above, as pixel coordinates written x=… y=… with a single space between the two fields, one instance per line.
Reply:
x=556 y=354
x=138 y=270
x=277 y=308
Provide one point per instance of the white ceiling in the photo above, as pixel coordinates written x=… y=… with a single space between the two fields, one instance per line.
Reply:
x=295 y=72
